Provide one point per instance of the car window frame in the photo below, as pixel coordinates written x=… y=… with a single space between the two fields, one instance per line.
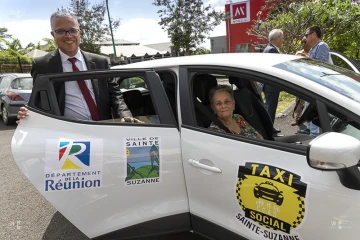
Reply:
x=188 y=110
x=44 y=82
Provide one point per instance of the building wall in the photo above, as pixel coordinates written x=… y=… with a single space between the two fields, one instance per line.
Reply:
x=218 y=44
x=241 y=14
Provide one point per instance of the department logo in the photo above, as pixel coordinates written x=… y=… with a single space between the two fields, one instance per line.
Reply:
x=272 y=198
x=73 y=164
x=74 y=155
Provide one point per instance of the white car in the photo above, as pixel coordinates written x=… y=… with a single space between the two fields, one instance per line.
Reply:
x=173 y=174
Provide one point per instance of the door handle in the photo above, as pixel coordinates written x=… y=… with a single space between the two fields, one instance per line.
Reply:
x=204 y=166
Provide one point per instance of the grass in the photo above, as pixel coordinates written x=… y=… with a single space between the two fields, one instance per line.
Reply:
x=285 y=99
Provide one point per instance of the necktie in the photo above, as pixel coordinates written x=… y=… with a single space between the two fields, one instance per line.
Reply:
x=86 y=93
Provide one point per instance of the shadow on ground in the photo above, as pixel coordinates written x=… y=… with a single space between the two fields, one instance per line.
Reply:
x=60 y=228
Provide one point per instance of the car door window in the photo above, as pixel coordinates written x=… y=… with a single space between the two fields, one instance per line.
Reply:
x=343 y=124
x=5 y=83
x=137 y=97
x=22 y=83
x=250 y=109
x=338 y=61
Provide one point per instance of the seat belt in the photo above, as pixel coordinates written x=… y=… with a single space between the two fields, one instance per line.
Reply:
x=199 y=106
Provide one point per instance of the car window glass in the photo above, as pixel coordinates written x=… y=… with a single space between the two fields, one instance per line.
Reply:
x=132 y=83
x=5 y=82
x=168 y=80
x=333 y=77
x=22 y=83
x=338 y=61
x=250 y=111
x=139 y=101
x=343 y=124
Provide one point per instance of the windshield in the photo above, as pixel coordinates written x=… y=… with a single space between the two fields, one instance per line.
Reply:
x=339 y=79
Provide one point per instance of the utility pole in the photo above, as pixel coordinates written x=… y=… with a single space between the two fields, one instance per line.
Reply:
x=112 y=36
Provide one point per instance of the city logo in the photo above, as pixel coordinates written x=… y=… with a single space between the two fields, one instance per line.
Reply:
x=240 y=12
x=271 y=200
x=74 y=156
x=73 y=164
x=142 y=160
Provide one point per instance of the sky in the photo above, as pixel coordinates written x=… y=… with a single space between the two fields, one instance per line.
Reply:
x=28 y=20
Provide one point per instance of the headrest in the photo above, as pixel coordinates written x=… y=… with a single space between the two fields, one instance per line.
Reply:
x=239 y=83
x=202 y=85
x=133 y=99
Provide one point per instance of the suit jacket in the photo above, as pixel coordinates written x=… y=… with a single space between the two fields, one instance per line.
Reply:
x=109 y=99
x=270 y=49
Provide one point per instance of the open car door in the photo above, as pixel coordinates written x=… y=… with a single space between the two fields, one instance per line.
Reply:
x=109 y=179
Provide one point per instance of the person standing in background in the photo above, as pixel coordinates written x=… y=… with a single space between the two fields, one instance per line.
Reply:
x=320 y=52
x=276 y=38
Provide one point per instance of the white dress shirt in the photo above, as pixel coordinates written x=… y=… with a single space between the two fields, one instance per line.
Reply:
x=75 y=104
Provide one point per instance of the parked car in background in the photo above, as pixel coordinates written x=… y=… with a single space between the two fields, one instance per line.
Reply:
x=341 y=60
x=15 y=91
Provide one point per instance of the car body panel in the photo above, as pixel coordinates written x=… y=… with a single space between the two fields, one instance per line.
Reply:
x=96 y=211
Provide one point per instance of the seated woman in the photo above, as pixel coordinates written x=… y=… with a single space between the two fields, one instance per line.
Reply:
x=222 y=102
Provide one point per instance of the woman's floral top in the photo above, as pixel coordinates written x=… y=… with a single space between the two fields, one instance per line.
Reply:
x=245 y=129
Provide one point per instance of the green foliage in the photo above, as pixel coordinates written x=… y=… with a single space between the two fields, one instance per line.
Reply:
x=92 y=23
x=10 y=56
x=9 y=61
x=187 y=22
x=51 y=45
x=338 y=19
x=3 y=33
x=13 y=44
x=200 y=51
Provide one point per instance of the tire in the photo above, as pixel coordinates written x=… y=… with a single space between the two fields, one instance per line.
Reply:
x=5 y=116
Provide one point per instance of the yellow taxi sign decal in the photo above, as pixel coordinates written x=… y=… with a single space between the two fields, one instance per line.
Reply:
x=271 y=198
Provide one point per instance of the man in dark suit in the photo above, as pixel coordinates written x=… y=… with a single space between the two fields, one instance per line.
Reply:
x=276 y=38
x=95 y=99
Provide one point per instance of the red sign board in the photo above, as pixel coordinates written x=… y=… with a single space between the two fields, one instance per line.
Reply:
x=240 y=12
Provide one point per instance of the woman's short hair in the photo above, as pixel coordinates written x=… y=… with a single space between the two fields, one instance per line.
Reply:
x=220 y=88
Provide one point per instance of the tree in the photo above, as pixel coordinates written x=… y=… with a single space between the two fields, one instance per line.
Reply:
x=187 y=22
x=3 y=33
x=91 y=20
x=50 y=43
x=13 y=44
x=200 y=51
x=338 y=19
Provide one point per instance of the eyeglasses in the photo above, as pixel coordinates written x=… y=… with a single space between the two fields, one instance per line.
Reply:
x=306 y=35
x=62 y=32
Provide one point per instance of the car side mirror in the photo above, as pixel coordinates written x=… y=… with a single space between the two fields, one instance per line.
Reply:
x=333 y=151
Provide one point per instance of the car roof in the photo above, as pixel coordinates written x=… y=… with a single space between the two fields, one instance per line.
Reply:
x=255 y=61
x=16 y=74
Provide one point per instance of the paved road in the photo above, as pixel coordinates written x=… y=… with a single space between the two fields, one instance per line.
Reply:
x=25 y=214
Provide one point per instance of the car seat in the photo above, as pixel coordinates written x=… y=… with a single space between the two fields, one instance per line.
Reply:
x=201 y=86
x=251 y=108
x=135 y=102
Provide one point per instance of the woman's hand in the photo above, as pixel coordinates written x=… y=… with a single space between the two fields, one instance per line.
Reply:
x=23 y=113
x=130 y=119
x=258 y=136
